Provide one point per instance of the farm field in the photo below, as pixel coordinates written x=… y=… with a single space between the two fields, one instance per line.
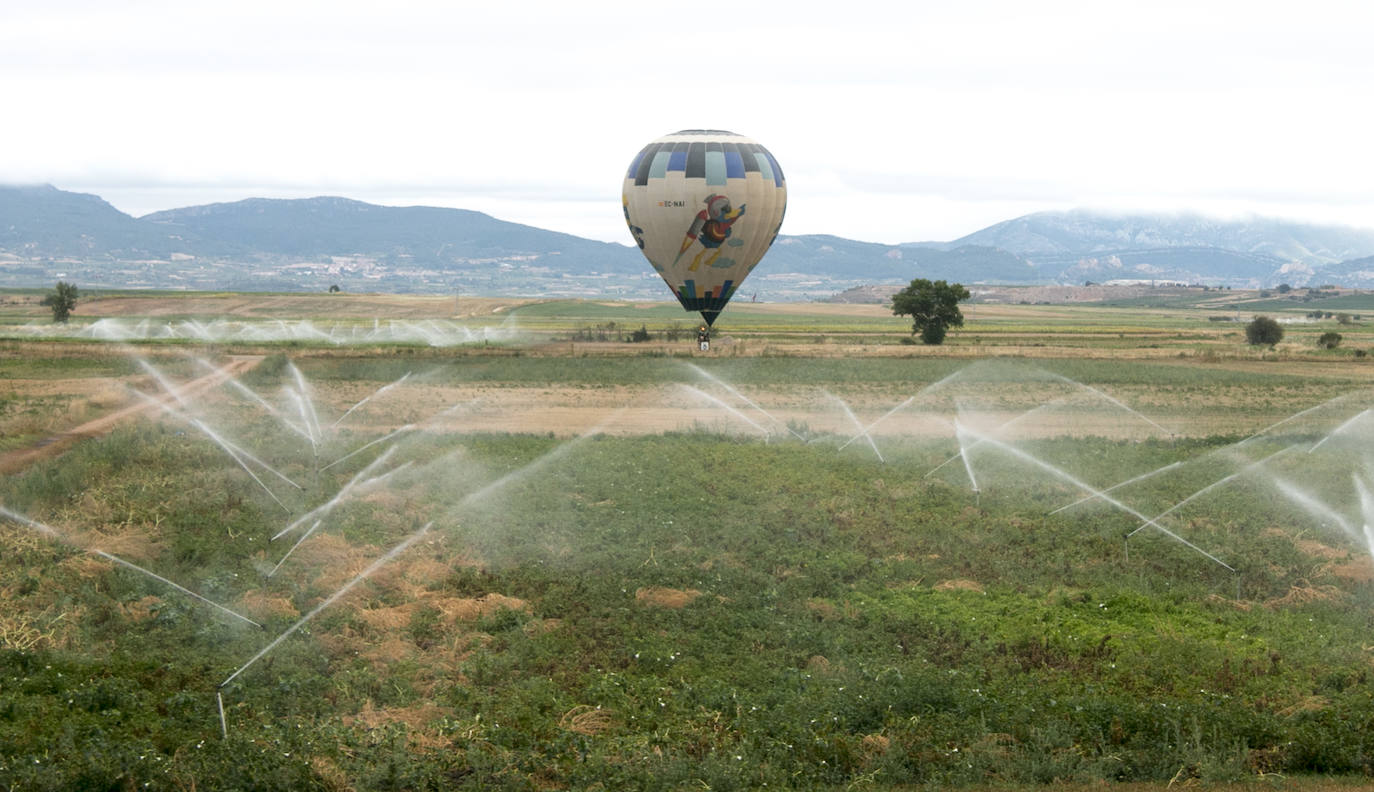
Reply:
x=1100 y=548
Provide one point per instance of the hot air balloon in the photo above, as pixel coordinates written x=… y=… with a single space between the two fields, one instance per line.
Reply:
x=704 y=205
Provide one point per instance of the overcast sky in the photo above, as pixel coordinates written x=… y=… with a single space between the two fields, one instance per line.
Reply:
x=894 y=121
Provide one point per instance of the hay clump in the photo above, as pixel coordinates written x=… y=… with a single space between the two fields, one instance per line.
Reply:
x=416 y=719
x=588 y=720
x=661 y=597
x=1302 y=593
x=465 y=609
x=1320 y=550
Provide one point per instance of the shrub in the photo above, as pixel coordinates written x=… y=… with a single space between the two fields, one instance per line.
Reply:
x=1329 y=340
x=1263 y=330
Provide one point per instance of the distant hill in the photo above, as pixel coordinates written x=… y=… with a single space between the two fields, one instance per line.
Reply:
x=314 y=243
x=1080 y=244
x=326 y=226
x=43 y=221
x=1081 y=232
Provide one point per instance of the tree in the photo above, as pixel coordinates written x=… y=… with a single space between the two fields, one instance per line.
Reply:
x=62 y=300
x=1263 y=330
x=1329 y=340
x=334 y=288
x=932 y=306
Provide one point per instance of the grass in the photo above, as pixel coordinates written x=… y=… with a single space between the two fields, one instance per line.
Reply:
x=694 y=609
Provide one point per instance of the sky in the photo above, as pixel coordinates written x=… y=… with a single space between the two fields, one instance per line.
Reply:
x=894 y=121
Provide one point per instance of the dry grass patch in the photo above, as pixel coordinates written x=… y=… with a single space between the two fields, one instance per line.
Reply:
x=265 y=606
x=959 y=584
x=24 y=632
x=823 y=610
x=330 y=775
x=461 y=609
x=660 y=597
x=1240 y=605
x=126 y=541
x=1305 y=704
x=875 y=744
x=1360 y=570
x=415 y=718
x=1302 y=593
x=337 y=560
x=1321 y=550
x=588 y=720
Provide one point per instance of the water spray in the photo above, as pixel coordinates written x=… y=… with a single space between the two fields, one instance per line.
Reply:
x=1126 y=483
x=1128 y=409
x=172 y=390
x=854 y=420
x=976 y=443
x=234 y=452
x=1354 y=419
x=1209 y=488
x=865 y=431
x=363 y=486
x=408 y=541
x=735 y=392
x=407 y=428
x=328 y=506
x=968 y=465
x=365 y=446
x=330 y=600
x=366 y=399
x=927 y=389
x=53 y=533
x=729 y=408
x=252 y=395
x=1109 y=499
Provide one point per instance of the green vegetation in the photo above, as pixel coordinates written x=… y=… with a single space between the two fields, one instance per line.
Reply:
x=863 y=625
x=689 y=609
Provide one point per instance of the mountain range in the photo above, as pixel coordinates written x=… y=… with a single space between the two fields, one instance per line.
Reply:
x=315 y=243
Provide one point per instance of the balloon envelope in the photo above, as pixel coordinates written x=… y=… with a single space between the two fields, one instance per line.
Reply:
x=704 y=205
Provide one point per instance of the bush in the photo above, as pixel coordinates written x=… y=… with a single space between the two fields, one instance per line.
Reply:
x=1263 y=330
x=1329 y=340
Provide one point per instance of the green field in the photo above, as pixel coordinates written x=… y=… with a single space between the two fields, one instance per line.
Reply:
x=753 y=595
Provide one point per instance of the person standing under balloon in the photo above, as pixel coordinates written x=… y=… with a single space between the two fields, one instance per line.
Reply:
x=704 y=339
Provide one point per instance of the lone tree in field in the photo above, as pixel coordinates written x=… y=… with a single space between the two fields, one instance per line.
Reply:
x=1263 y=330
x=62 y=300
x=933 y=307
x=1329 y=340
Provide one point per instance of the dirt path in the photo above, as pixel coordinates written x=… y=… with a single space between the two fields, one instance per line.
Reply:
x=18 y=459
